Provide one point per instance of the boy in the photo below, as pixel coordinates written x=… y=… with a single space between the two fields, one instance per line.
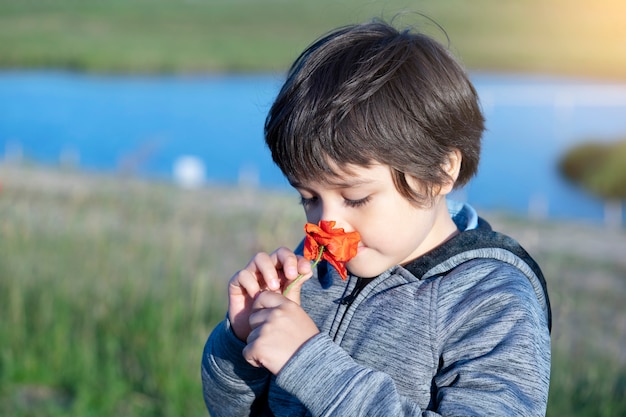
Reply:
x=439 y=315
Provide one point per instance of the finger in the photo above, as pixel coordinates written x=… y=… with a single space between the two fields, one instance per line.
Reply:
x=288 y=262
x=268 y=300
x=248 y=351
x=258 y=318
x=245 y=282
x=304 y=267
x=265 y=267
x=292 y=290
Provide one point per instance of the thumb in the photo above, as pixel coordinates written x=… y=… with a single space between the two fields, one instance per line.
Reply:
x=267 y=299
x=292 y=289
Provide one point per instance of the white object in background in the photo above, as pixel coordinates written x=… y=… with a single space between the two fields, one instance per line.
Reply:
x=189 y=172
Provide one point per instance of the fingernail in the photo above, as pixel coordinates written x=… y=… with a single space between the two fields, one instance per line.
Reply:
x=274 y=284
x=292 y=271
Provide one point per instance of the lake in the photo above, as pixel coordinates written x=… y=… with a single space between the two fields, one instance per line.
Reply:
x=143 y=125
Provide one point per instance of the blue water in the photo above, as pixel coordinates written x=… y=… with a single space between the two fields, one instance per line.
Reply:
x=141 y=125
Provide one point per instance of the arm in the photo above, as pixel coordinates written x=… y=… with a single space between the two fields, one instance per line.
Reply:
x=230 y=384
x=496 y=359
x=330 y=383
x=494 y=355
x=232 y=375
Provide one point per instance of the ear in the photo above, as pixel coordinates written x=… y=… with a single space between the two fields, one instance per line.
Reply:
x=452 y=167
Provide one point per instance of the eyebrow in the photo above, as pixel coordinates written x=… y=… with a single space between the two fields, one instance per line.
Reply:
x=339 y=183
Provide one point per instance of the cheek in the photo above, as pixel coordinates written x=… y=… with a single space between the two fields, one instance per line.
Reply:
x=379 y=236
x=400 y=234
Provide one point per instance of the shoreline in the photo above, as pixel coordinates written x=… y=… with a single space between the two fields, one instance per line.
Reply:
x=584 y=264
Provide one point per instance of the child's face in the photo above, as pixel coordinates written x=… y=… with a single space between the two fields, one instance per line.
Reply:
x=393 y=231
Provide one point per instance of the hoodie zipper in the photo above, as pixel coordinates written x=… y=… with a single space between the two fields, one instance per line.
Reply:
x=349 y=299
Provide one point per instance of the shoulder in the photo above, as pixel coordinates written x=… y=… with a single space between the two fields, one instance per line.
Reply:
x=483 y=258
x=491 y=295
x=489 y=276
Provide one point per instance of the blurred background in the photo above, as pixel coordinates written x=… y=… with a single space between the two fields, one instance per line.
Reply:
x=134 y=181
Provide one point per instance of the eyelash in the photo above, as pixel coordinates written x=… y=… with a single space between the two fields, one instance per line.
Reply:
x=307 y=202
x=357 y=203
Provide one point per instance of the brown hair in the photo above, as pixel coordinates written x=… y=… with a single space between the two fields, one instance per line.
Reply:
x=370 y=93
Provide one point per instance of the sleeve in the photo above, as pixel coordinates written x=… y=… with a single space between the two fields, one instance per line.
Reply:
x=230 y=384
x=328 y=382
x=494 y=360
x=495 y=355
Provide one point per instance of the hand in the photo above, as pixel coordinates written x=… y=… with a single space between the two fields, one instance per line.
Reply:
x=265 y=272
x=279 y=328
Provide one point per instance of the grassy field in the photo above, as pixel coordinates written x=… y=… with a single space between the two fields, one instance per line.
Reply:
x=109 y=287
x=574 y=37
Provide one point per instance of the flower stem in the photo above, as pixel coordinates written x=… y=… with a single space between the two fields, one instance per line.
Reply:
x=299 y=277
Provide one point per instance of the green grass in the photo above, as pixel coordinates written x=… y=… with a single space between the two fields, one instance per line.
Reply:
x=109 y=290
x=593 y=386
x=109 y=287
x=573 y=37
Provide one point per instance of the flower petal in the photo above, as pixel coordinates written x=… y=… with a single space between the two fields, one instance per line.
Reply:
x=340 y=246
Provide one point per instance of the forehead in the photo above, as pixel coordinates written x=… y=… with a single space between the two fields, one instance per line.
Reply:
x=347 y=176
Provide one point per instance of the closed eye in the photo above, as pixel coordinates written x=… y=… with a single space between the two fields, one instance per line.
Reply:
x=357 y=203
x=307 y=202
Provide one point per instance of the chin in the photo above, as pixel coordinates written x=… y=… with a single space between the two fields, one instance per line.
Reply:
x=365 y=271
x=361 y=265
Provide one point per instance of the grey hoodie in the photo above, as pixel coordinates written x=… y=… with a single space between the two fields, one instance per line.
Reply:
x=462 y=331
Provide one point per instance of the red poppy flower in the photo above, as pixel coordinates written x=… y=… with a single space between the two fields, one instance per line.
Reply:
x=333 y=244
x=323 y=241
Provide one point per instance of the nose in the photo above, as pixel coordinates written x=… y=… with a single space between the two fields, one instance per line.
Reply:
x=331 y=212
x=322 y=210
